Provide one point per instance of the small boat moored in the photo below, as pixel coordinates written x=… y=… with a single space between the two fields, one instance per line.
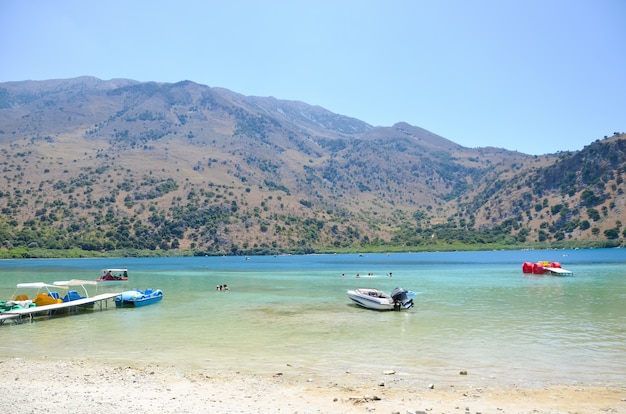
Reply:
x=74 y=294
x=136 y=297
x=545 y=267
x=111 y=276
x=379 y=300
x=43 y=295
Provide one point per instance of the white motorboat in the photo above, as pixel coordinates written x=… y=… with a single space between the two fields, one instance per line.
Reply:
x=379 y=300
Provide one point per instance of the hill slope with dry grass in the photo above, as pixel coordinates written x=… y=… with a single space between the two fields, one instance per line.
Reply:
x=120 y=164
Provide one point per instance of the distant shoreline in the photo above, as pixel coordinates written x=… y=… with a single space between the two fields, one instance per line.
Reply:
x=26 y=253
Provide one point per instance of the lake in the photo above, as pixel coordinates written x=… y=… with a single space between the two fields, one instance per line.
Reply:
x=474 y=311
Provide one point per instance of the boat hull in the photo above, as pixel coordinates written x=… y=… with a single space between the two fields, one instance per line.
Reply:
x=113 y=276
x=371 y=299
x=545 y=267
x=148 y=301
x=378 y=300
x=138 y=298
x=111 y=281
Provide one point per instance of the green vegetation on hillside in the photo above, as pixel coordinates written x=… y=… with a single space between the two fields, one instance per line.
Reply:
x=93 y=167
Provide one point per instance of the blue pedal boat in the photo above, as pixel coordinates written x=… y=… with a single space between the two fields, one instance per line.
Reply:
x=136 y=297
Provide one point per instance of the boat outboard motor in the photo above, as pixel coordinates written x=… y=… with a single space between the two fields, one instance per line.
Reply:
x=401 y=299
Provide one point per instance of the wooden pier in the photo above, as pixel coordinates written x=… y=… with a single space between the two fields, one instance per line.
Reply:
x=17 y=315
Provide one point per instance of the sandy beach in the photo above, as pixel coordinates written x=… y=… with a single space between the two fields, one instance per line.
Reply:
x=59 y=386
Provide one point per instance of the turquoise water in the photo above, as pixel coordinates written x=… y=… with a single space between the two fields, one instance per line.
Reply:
x=474 y=311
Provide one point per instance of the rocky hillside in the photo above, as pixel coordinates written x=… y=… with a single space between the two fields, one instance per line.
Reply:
x=119 y=164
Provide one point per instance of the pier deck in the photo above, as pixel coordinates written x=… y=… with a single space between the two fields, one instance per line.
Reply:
x=17 y=315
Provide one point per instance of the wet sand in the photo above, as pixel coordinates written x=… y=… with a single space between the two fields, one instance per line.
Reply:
x=47 y=385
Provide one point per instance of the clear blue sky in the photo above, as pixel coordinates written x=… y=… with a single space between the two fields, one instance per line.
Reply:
x=537 y=76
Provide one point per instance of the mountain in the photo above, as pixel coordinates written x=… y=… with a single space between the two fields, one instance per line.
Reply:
x=121 y=164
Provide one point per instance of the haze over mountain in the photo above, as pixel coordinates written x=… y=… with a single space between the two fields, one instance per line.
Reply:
x=121 y=164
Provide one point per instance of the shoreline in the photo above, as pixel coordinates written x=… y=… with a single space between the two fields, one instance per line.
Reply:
x=24 y=253
x=88 y=385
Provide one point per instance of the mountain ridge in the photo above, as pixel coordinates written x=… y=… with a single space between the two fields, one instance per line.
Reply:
x=290 y=175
